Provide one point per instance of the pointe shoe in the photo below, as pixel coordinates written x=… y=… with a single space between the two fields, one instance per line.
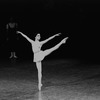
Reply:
x=64 y=40
x=40 y=85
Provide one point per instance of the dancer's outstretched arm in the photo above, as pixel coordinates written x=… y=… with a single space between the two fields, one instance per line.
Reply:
x=30 y=40
x=43 y=42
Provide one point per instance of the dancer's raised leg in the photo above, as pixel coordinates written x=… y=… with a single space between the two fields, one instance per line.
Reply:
x=39 y=68
x=48 y=51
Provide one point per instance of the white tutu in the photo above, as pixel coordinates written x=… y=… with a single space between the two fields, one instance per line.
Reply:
x=39 y=56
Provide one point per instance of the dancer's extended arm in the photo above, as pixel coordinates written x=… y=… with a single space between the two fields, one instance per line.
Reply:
x=30 y=40
x=43 y=42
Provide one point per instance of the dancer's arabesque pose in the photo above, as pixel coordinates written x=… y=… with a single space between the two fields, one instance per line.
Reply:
x=39 y=54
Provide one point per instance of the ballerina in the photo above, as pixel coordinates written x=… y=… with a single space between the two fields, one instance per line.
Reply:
x=39 y=54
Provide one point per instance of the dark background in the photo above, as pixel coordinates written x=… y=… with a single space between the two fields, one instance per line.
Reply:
x=79 y=20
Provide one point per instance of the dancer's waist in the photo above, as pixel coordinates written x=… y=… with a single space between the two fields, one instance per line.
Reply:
x=37 y=51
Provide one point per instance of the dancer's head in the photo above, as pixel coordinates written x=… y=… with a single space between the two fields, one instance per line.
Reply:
x=38 y=37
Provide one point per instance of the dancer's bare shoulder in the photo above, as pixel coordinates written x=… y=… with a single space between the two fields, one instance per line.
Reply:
x=36 y=43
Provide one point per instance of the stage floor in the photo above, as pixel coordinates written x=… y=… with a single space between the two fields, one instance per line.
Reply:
x=62 y=80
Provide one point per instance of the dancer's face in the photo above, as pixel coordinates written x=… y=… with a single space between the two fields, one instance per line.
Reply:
x=38 y=37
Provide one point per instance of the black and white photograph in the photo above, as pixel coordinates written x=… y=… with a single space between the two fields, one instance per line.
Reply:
x=49 y=50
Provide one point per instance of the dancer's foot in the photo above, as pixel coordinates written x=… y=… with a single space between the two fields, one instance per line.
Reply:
x=64 y=40
x=39 y=86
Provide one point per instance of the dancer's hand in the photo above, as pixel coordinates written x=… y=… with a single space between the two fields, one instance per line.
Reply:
x=18 y=32
x=58 y=34
x=64 y=40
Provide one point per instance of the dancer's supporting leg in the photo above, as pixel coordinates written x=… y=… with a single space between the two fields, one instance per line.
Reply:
x=48 y=51
x=39 y=63
x=39 y=68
